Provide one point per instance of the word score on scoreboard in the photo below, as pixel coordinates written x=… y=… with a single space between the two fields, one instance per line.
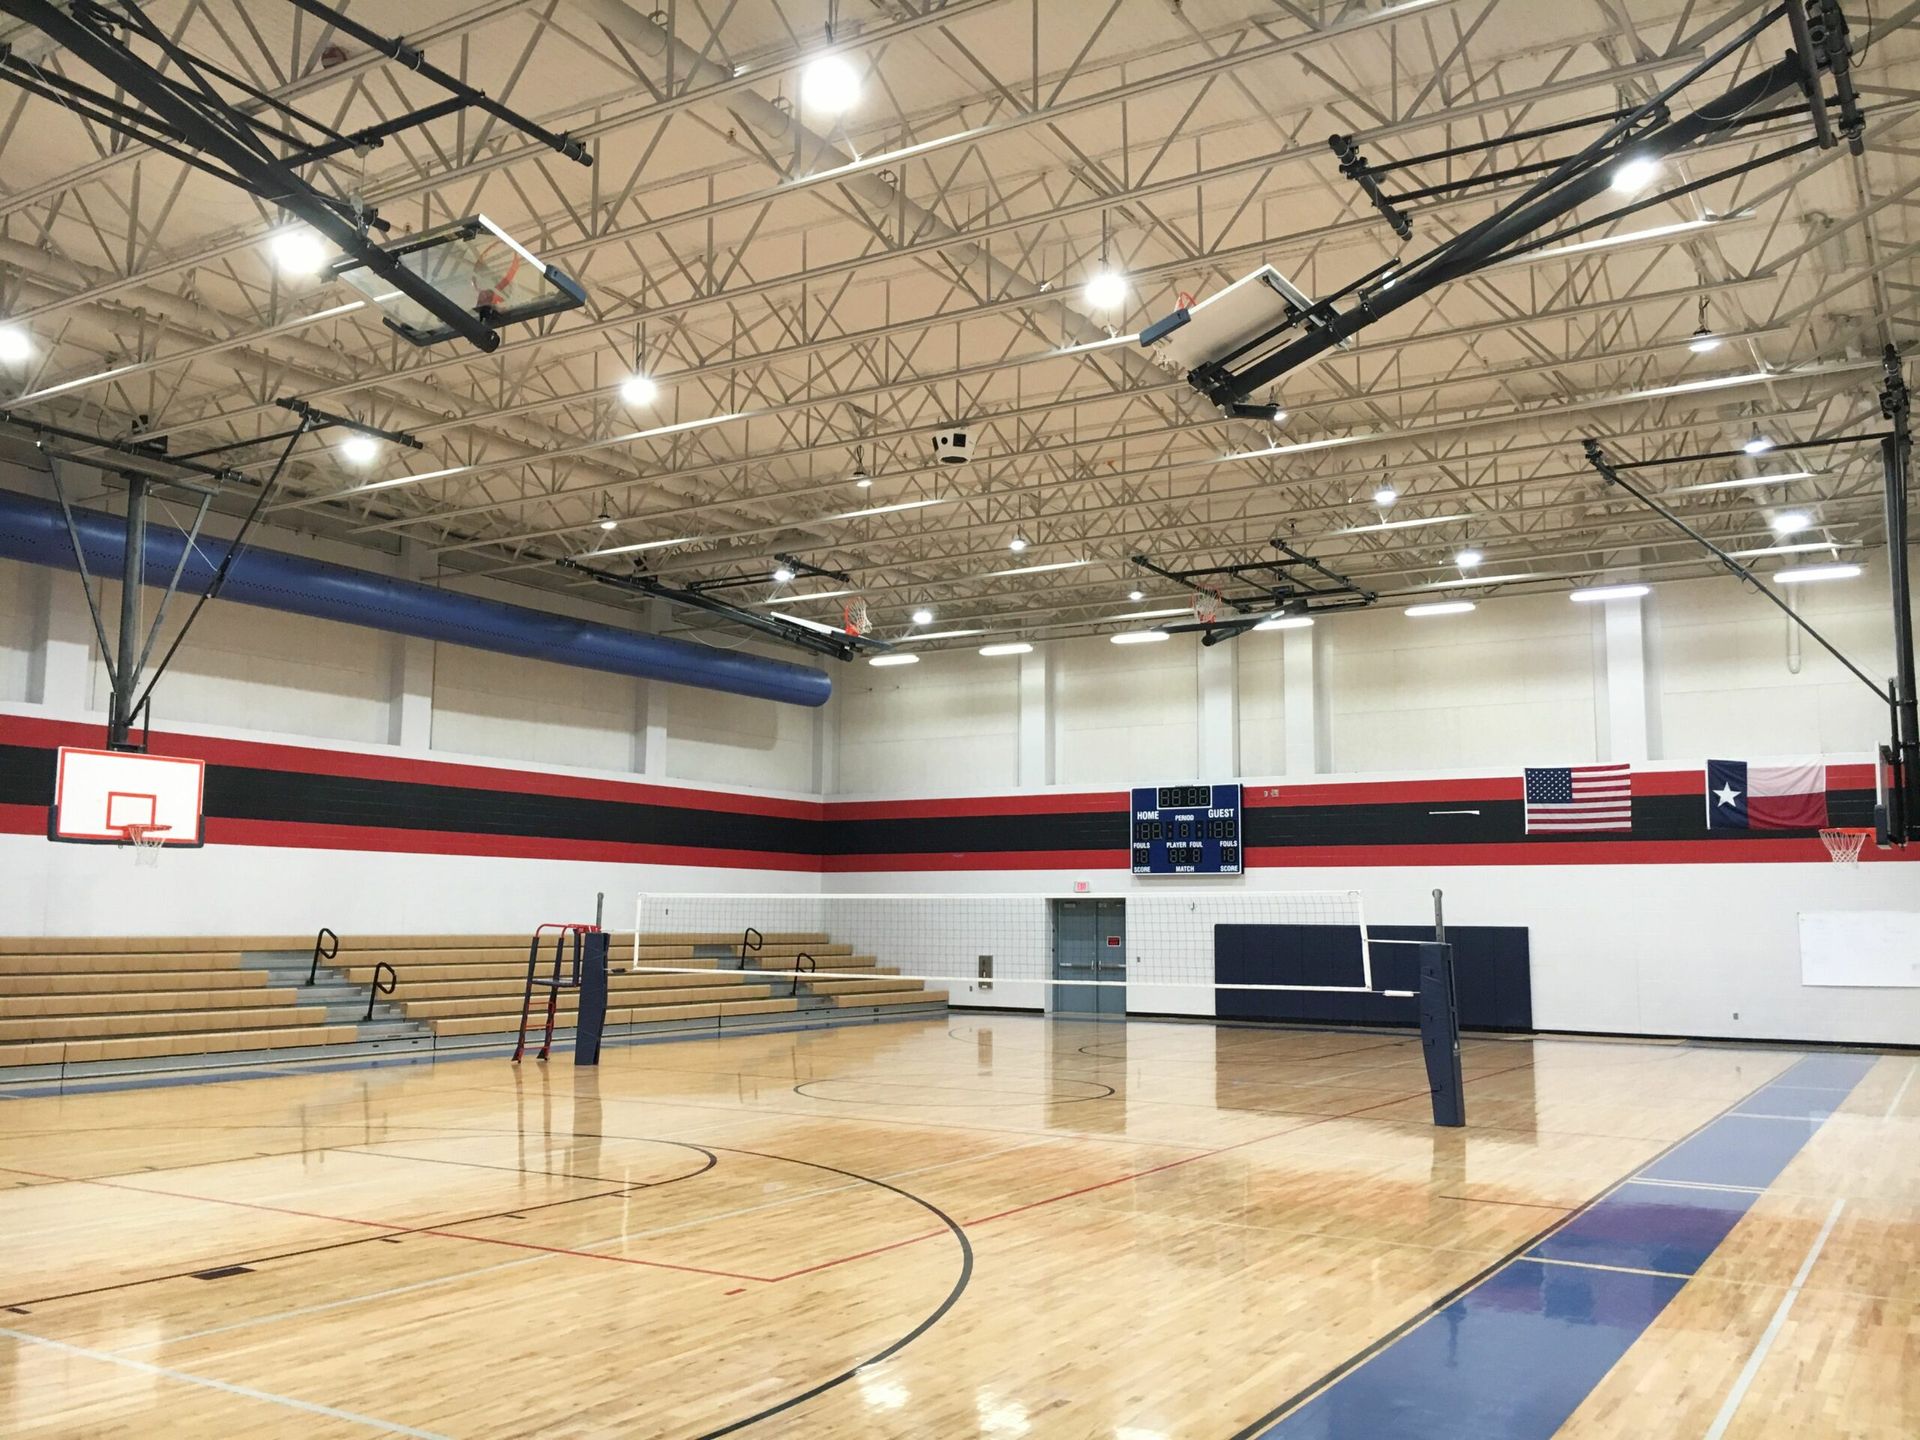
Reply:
x=1186 y=830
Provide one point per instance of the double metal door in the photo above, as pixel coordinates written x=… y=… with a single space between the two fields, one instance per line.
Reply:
x=1090 y=945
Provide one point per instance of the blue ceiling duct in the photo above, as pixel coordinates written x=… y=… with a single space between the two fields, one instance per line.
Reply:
x=32 y=530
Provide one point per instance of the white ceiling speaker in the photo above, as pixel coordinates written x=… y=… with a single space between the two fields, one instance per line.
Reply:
x=953 y=446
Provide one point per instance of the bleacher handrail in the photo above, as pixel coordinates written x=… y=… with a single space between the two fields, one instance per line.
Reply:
x=376 y=990
x=321 y=952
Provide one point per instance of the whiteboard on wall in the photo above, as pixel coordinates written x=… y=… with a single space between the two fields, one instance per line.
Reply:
x=1860 y=947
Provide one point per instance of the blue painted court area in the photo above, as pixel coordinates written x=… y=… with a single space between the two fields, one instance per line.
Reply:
x=1516 y=1354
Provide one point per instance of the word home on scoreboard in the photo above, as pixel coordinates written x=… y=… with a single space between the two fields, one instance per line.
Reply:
x=1186 y=830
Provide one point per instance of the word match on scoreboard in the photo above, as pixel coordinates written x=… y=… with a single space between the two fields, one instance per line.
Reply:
x=1186 y=830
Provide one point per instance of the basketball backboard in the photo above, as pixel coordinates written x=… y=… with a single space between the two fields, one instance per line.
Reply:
x=478 y=266
x=100 y=796
x=1215 y=330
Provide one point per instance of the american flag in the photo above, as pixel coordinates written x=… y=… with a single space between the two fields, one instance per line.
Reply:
x=1579 y=797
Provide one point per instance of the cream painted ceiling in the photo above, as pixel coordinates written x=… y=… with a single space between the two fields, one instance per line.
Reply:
x=815 y=294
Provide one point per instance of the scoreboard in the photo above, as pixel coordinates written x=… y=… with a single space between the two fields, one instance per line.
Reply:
x=1186 y=830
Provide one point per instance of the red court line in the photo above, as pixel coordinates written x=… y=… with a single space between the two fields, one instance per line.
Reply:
x=386 y=1225
x=1306 y=1124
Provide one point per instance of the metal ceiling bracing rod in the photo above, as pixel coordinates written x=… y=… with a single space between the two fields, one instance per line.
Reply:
x=1636 y=135
x=792 y=562
x=1281 y=592
x=184 y=114
x=838 y=644
x=313 y=419
x=1896 y=459
x=126 y=660
x=1609 y=472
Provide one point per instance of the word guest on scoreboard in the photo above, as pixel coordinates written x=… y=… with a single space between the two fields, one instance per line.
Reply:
x=1186 y=830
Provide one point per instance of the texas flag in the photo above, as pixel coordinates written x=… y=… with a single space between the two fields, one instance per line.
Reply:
x=1766 y=797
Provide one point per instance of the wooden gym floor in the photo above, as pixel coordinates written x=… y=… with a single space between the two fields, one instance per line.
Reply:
x=985 y=1226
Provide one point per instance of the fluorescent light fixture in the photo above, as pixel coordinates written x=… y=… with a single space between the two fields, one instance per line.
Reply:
x=1790 y=522
x=360 y=449
x=16 y=345
x=1632 y=176
x=1441 y=607
x=1607 y=242
x=639 y=390
x=644 y=545
x=1610 y=592
x=298 y=252
x=830 y=85
x=1743 y=482
x=1468 y=558
x=880 y=661
x=1106 y=290
x=782 y=575
x=1757 y=445
x=1039 y=569
x=1286 y=622
x=813 y=595
x=393 y=480
x=1807 y=573
x=1478 y=580
x=922 y=616
x=1017 y=544
x=1404 y=524
x=1803 y=547
x=1385 y=496
x=1148 y=615
x=941 y=635
x=888 y=509
x=1139 y=637
x=1009 y=647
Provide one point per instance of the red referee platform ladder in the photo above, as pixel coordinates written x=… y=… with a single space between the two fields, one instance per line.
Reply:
x=579 y=963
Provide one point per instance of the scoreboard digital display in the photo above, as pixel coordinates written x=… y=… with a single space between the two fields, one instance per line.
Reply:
x=1186 y=830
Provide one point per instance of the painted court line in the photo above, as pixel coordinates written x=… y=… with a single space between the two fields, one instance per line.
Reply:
x=1772 y=1332
x=205 y=1382
x=1901 y=1093
x=1499 y=1356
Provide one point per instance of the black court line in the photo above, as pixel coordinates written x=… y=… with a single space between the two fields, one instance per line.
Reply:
x=397 y=1233
x=938 y=1313
x=1360 y=1357
x=993 y=1098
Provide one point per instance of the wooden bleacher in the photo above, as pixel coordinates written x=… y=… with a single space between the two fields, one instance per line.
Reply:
x=472 y=987
x=164 y=1002
x=76 y=1001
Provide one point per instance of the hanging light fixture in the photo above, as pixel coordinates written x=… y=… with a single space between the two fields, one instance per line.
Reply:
x=1703 y=340
x=1106 y=288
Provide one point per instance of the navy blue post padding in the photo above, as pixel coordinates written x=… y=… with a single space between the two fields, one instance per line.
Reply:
x=33 y=531
x=592 y=1018
x=1491 y=962
x=1440 y=1034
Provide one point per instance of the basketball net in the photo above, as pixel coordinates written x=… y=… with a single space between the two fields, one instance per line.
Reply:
x=854 y=616
x=147 y=842
x=1206 y=606
x=1844 y=846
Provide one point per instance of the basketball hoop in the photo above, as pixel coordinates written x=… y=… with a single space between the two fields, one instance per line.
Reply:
x=854 y=616
x=147 y=842
x=1206 y=606
x=1844 y=846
